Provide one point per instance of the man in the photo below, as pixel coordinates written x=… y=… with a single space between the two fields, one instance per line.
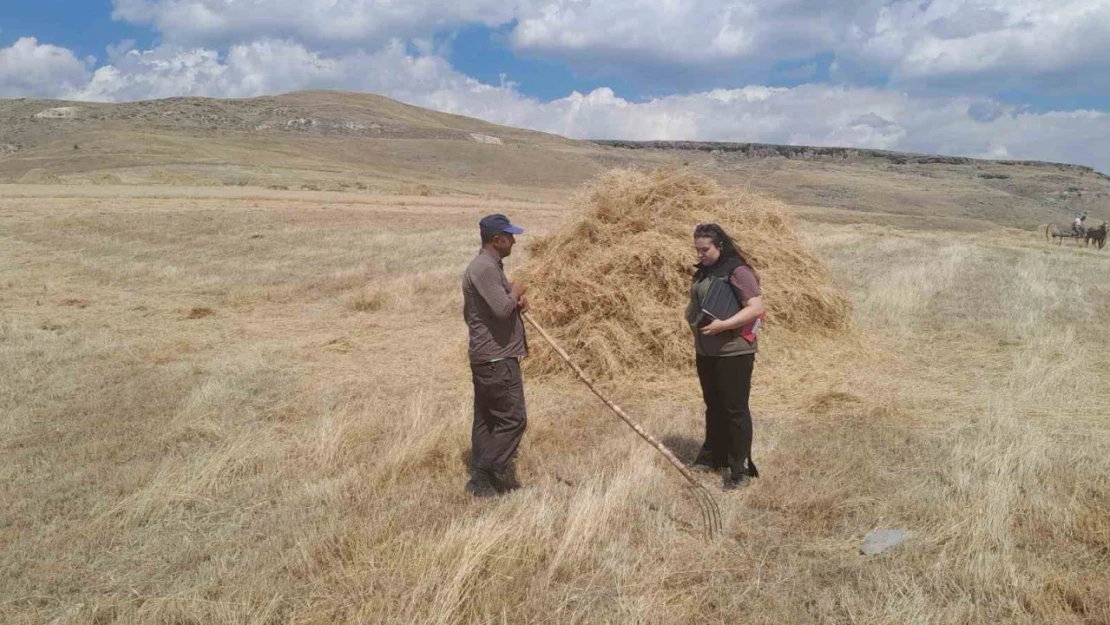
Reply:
x=492 y=308
x=1077 y=225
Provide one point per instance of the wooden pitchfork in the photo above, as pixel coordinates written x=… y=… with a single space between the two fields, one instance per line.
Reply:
x=710 y=512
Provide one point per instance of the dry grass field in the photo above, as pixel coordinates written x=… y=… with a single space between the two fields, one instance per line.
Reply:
x=225 y=407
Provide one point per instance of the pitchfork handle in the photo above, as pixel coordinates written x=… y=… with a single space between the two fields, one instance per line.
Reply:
x=660 y=447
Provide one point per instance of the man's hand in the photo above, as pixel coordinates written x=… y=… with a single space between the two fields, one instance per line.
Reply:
x=518 y=291
x=714 y=328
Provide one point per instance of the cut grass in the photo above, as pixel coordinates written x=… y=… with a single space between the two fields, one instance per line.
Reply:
x=293 y=460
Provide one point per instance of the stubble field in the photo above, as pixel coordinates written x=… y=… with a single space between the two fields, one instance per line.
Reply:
x=218 y=407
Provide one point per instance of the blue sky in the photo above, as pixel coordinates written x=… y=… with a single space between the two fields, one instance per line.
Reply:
x=484 y=53
x=999 y=78
x=84 y=26
x=480 y=51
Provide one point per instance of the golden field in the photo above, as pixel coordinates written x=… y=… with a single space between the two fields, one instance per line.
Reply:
x=226 y=405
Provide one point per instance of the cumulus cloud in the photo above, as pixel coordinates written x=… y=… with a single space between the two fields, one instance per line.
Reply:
x=980 y=45
x=31 y=69
x=977 y=45
x=996 y=40
x=275 y=66
x=359 y=22
x=685 y=31
x=246 y=70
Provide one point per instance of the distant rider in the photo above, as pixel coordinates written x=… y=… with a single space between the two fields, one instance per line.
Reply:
x=1077 y=225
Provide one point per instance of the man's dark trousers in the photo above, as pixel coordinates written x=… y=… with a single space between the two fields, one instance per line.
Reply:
x=499 y=414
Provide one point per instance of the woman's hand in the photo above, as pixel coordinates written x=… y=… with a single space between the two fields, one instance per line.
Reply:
x=714 y=328
x=752 y=309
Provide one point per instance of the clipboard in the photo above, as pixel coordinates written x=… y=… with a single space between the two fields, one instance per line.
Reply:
x=719 y=301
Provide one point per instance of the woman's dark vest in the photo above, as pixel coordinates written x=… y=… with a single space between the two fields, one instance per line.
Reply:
x=728 y=343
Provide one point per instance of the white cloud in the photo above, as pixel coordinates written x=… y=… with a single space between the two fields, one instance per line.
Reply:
x=982 y=44
x=808 y=115
x=33 y=70
x=358 y=22
x=967 y=45
x=685 y=31
x=246 y=70
x=273 y=66
x=997 y=39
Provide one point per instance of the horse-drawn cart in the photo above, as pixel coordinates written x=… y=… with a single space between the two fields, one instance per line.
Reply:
x=1055 y=234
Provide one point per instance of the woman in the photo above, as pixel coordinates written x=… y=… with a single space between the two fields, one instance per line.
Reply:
x=725 y=310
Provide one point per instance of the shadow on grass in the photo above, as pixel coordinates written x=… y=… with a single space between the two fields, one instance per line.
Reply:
x=684 y=447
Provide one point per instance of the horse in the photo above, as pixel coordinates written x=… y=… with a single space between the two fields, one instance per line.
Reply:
x=1096 y=236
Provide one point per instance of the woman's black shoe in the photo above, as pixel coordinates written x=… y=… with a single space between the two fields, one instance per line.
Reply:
x=738 y=483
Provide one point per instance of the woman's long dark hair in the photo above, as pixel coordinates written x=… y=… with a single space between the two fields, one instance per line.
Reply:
x=719 y=238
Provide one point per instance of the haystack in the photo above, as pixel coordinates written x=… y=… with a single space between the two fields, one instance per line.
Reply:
x=613 y=283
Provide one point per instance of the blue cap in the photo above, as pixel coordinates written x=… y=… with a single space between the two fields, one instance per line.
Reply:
x=498 y=223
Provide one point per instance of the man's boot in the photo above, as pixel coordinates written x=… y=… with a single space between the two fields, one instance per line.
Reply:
x=481 y=484
x=505 y=481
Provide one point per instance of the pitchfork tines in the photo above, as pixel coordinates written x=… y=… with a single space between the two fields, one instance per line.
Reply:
x=710 y=512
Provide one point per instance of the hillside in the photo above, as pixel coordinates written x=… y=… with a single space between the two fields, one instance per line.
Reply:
x=358 y=142
x=309 y=138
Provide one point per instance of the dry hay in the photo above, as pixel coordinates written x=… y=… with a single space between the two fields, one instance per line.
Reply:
x=613 y=284
x=40 y=176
